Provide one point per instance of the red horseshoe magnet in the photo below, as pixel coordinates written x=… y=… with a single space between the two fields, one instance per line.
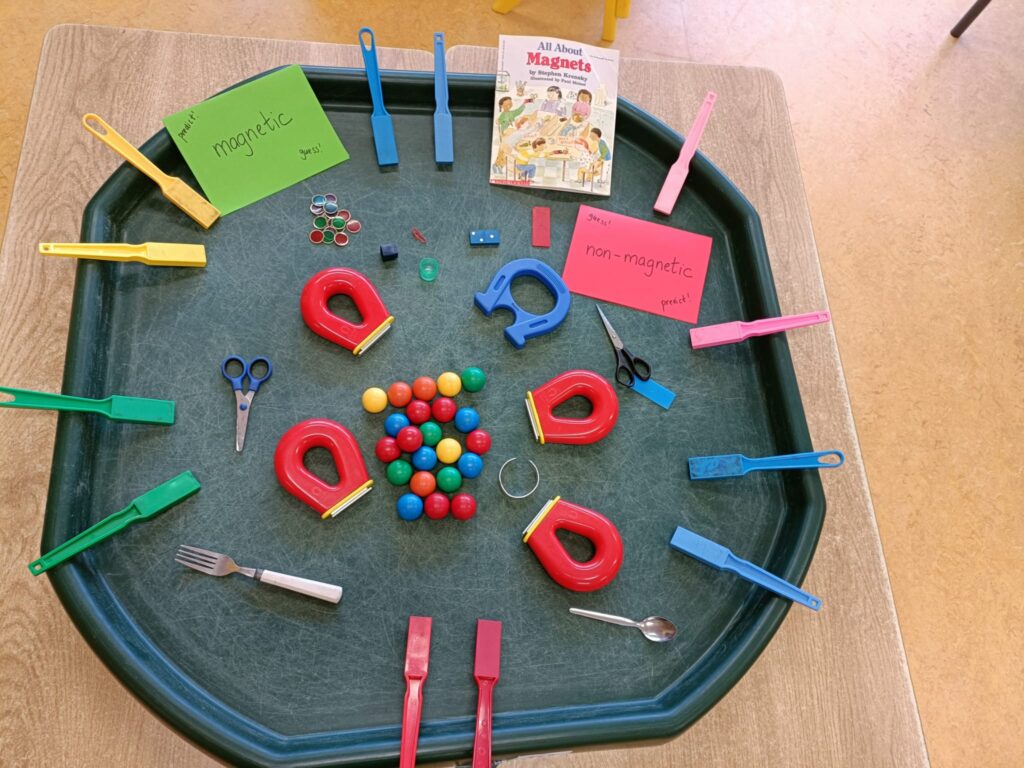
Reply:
x=548 y=428
x=560 y=565
x=356 y=337
x=328 y=500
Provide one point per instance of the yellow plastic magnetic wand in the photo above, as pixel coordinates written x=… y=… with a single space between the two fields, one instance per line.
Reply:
x=153 y=254
x=174 y=189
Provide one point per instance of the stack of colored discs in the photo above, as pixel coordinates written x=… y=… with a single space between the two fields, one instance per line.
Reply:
x=331 y=224
x=416 y=451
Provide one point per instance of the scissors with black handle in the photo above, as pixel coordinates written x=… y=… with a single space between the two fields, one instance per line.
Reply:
x=243 y=402
x=628 y=368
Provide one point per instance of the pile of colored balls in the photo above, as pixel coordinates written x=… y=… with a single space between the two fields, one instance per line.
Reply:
x=331 y=224
x=436 y=465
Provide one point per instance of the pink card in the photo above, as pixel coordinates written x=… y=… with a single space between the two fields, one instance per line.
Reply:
x=637 y=263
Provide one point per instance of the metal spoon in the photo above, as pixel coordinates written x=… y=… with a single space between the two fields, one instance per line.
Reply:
x=655 y=628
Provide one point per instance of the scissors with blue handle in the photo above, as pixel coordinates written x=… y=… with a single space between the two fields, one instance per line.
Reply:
x=243 y=402
x=628 y=366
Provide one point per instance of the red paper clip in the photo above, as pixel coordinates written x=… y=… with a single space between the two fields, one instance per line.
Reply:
x=548 y=428
x=357 y=337
x=419 y=236
x=289 y=465
x=566 y=570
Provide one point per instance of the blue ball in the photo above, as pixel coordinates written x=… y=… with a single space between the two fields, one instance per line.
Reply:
x=470 y=465
x=410 y=506
x=466 y=420
x=395 y=422
x=425 y=458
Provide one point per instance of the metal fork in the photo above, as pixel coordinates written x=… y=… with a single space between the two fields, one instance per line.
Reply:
x=216 y=564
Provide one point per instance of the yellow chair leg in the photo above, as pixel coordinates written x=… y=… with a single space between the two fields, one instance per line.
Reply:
x=622 y=9
x=608 y=32
x=504 y=6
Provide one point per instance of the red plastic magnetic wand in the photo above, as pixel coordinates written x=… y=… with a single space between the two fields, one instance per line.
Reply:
x=486 y=671
x=417 y=661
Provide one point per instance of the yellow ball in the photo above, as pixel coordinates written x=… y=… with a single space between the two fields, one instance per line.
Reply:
x=375 y=400
x=449 y=450
x=449 y=384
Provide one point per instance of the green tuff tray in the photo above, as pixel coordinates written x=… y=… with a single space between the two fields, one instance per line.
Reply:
x=262 y=676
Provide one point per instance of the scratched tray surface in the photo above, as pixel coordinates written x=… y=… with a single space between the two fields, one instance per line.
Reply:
x=260 y=675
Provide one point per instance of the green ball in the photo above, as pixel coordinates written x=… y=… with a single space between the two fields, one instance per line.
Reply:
x=473 y=379
x=399 y=472
x=449 y=479
x=431 y=431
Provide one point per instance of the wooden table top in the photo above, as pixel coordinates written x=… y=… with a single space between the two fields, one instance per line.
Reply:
x=831 y=689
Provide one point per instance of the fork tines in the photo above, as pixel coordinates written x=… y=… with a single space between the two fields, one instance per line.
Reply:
x=199 y=559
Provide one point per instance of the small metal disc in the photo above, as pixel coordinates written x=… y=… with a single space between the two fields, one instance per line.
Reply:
x=338 y=223
x=341 y=239
x=353 y=226
x=320 y=222
x=329 y=198
x=429 y=269
x=319 y=200
x=344 y=213
x=328 y=235
x=330 y=208
x=316 y=237
x=316 y=210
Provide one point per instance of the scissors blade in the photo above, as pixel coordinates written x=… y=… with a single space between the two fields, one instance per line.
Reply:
x=243 y=404
x=616 y=341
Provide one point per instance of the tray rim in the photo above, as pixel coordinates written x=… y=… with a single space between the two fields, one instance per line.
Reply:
x=135 y=661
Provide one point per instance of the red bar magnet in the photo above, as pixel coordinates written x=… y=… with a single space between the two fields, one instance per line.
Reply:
x=328 y=500
x=357 y=337
x=541 y=226
x=548 y=428
x=567 y=571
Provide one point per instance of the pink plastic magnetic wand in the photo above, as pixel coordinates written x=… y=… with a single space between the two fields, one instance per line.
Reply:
x=486 y=670
x=681 y=167
x=736 y=331
x=417 y=660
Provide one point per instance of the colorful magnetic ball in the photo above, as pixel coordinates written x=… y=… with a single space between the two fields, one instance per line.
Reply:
x=399 y=472
x=395 y=423
x=436 y=505
x=470 y=465
x=425 y=458
x=443 y=409
x=449 y=384
x=387 y=449
x=473 y=379
x=463 y=506
x=399 y=394
x=375 y=400
x=418 y=411
x=410 y=507
x=424 y=388
x=467 y=419
x=422 y=484
x=449 y=479
x=431 y=432
x=409 y=439
x=478 y=441
x=449 y=450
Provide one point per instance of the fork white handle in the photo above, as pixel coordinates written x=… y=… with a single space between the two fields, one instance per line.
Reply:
x=318 y=589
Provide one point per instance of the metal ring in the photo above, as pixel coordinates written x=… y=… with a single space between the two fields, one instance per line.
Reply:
x=502 y=482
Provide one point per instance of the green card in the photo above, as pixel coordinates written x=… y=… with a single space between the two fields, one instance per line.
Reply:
x=256 y=139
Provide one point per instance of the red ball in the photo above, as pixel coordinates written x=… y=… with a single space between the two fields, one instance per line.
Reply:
x=409 y=439
x=444 y=409
x=418 y=411
x=463 y=506
x=424 y=388
x=436 y=506
x=478 y=441
x=387 y=449
x=422 y=483
x=399 y=394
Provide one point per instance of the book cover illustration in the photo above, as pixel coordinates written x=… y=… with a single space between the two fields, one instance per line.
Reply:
x=554 y=115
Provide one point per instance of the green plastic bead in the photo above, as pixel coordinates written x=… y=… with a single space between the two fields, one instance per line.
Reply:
x=473 y=379
x=399 y=472
x=429 y=269
x=320 y=222
x=449 y=479
x=431 y=431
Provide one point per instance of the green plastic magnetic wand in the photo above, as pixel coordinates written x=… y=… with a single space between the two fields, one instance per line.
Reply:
x=117 y=407
x=149 y=504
